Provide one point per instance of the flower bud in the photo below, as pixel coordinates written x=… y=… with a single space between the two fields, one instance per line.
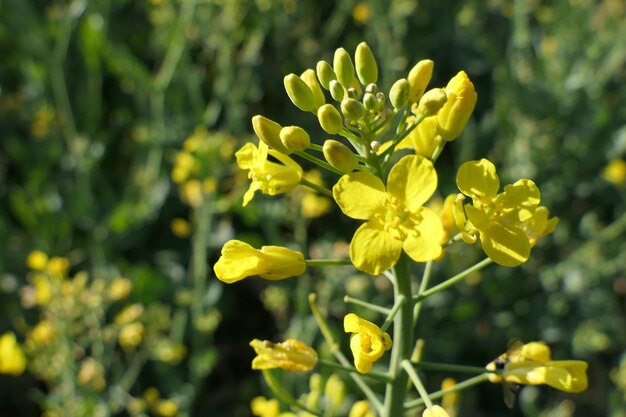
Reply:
x=431 y=102
x=336 y=90
x=330 y=119
x=290 y=355
x=294 y=138
x=310 y=79
x=399 y=93
x=325 y=74
x=366 y=68
x=299 y=93
x=269 y=132
x=419 y=77
x=344 y=69
x=339 y=156
x=369 y=102
x=371 y=88
x=352 y=109
x=454 y=115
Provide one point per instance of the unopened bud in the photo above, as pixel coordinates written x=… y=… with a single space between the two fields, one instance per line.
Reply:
x=344 y=69
x=325 y=74
x=371 y=88
x=375 y=145
x=381 y=98
x=299 y=93
x=310 y=79
x=431 y=102
x=399 y=93
x=352 y=109
x=454 y=115
x=353 y=93
x=340 y=156
x=269 y=132
x=366 y=68
x=369 y=102
x=419 y=77
x=330 y=119
x=336 y=90
x=294 y=138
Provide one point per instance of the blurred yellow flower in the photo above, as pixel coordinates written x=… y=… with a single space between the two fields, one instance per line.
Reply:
x=120 y=288
x=191 y=192
x=37 y=260
x=435 y=411
x=368 y=342
x=180 y=227
x=239 y=260
x=129 y=314
x=290 y=355
x=12 y=358
x=361 y=13
x=131 y=334
x=57 y=267
x=362 y=409
x=395 y=217
x=450 y=401
x=166 y=408
x=42 y=333
x=615 y=172
x=43 y=288
x=262 y=407
x=91 y=374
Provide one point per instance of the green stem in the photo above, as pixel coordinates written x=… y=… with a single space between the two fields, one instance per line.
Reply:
x=452 y=281
x=402 y=341
x=406 y=364
x=451 y=368
x=318 y=188
x=381 y=376
x=392 y=314
x=318 y=162
x=334 y=348
x=316 y=147
x=327 y=262
x=365 y=304
x=423 y=285
x=438 y=150
x=458 y=387
x=282 y=394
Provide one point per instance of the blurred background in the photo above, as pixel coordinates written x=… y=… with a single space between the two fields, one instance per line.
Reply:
x=118 y=124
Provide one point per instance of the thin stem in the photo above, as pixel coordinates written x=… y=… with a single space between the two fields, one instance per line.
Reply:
x=417 y=382
x=318 y=162
x=318 y=188
x=283 y=395
x=365 y=304
x=458 y=387
x=392 y=314
x=316 y=147
x=381 y=376
x=438 y=150
x=327 y=262
x=452 y=368
x=423 y=285
x=334 y=348
x=454 y=280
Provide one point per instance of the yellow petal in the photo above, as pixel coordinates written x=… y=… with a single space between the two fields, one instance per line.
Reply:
x=238 y=261
x=478 y=179
x=361 y=362
x=374 y=250
x=568 y=376
x=506 y=246
x=520 y=199
x=282 y=263
x=423 y=139
x=412 y=180
x=360 y=195
x=423 y=243
x=536 y=351
x=435 y=411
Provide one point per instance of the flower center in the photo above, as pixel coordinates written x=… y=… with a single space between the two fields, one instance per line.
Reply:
x=395 y=218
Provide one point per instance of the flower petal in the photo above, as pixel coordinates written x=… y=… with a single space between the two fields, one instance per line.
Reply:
x=519 y=200
x=374 y=250
x=360 y=195
x=478 y=179
x=423 y=243
x=413 y=180
x=506 y=246
x=568 y=376
x=238 y=261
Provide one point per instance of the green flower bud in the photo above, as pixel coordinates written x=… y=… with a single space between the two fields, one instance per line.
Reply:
x=340 y=156
x=382 y=98
x=310 y=79
x=399 y=93
x=352 y=109
x=330 y=119
x=371 y=88
x=353 y=93
x=336 y=90
x=431 y=102
x=369 y=102
x=294 y=138
x=299 y=93
x=344 y=69
x=269 y=132
x=366 y=68
x=325 y=74
x=419 y=77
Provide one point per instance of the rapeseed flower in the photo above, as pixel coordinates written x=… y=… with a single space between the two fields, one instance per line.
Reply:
x=12 y=358
x=361 y=409
x=270 y=177
x=435 y=411
x=395 y=217
x=239 y=260
x=290 y=355
x=368 y=342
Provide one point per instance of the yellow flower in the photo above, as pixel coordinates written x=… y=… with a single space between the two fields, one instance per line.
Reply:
x=424 y=139
x=395 y=217
x=435 y=411
x=450 y=401
x=129 y=314
x=37 y=260
x=290 y=355
x=361 y=409
x=615 y=172
x=262 y=407
x=270 y=177
x=119 y=288
x=454 y=115
x=166 y=408
x=500 y=219
x=180 y=227
x=131 y=334
x=368 y=342
x=12 y=359
x=42 y=333
x=533 y=365
x=239 y=260
x=91 y=374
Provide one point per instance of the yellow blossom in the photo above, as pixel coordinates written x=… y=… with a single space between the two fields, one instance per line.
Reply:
x=395 y=217
x=508 y=223
x=450 y=401
x=129 y=314
x=239 y=260
x=424 y=139
x=270 y=177
x=37 y=260
x=533 y=365
x=368 y=342
x=435 y=411
x=119 y=288
x=192 y=193
x=42 y=333
x=12 y=359
x=180 y=227
x=91 y=374
x=615 y=172
x=43 y=289
x=262 y=407
x=166 y=408
x=290 y=355
x=454 y=115
x=131 y=334
x=57 y=267
x=361 y=409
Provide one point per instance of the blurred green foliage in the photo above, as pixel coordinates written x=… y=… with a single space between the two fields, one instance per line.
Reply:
x=97 y=98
